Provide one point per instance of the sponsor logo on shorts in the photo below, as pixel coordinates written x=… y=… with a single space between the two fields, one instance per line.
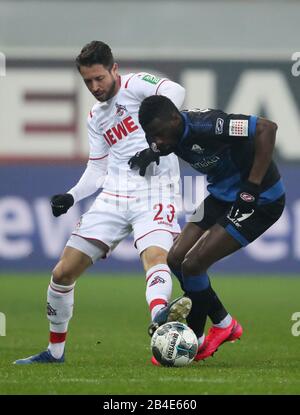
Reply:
x=239 y=217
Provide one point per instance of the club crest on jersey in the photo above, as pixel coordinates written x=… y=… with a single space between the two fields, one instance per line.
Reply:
x=121 y=109
x=197 y=149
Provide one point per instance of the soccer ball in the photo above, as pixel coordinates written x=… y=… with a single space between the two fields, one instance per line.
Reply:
x=174 y=344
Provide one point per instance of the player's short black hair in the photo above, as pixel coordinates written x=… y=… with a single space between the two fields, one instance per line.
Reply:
x=95 y=52
x=156 y=106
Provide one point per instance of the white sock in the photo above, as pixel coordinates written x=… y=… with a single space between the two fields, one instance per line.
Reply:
x=60 y=300
x=225 y=322
x=159 y=287
x=201 y=340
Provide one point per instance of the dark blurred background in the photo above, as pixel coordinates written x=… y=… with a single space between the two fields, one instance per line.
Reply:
x=240 y=56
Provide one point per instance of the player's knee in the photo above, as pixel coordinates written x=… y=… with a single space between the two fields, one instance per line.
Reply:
x=174 y=260
x=64 y=273
x=192 y=266
x=153 y=256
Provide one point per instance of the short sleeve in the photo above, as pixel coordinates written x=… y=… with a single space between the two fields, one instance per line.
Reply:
x=145 y=84
x=220 y=125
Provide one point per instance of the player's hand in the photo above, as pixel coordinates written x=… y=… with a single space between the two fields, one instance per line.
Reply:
x=61 y=203
x=142 y=159
x=246 y=200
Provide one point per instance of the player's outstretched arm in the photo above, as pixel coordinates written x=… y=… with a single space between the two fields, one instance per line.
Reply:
x=91 y=181
x=264 y=140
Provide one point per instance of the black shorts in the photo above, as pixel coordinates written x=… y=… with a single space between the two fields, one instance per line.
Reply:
x=214 y=211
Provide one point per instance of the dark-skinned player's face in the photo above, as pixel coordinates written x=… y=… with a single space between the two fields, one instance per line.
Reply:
x=100 y=81
x=162 y=135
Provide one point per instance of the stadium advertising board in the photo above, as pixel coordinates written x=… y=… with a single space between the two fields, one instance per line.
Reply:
x=44 y=146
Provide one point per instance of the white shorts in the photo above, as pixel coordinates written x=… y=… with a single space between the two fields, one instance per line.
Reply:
x=111 y=219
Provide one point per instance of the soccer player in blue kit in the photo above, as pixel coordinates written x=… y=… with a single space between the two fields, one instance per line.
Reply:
x=246 y=197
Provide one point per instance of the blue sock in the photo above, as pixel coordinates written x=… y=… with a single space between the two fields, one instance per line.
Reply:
x=205 y=301
x=179 y=276
x=196 y=283
x=198 y=289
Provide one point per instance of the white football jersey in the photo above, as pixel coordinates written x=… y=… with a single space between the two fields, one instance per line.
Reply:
x=114 y=132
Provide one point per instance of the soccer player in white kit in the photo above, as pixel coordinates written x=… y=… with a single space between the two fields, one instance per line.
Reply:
x=128 y=202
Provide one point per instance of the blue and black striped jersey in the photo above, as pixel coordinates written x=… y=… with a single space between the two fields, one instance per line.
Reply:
x=221 y=146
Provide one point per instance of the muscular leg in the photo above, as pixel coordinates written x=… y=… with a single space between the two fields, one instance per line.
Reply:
x=158 y=278
x=70 y=266
x=213 y=245
x=60 y=296
x=205 y=300
x=190 y=234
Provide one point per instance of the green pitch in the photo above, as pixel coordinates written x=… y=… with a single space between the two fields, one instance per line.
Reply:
x=108 y=347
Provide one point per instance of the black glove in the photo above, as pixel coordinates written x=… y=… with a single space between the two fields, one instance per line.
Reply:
x=246 y=199
x=142 y=159
x=61 y=203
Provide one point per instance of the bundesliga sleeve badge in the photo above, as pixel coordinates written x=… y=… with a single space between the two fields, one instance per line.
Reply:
x=238 y=128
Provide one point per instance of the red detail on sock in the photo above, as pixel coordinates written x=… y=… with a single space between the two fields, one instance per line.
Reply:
x=57 y=337
x=58 y=291
x=156 y=302
x=158 y=270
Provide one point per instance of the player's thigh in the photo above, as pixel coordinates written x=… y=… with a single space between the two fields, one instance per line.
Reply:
x=213 y=245
x=204 y=217
x=190 y=234
x=155 y=225
x=229 y=235
x=104 y=224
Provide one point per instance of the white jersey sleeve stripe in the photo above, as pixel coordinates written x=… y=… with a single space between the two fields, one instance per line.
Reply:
x=163 y=80
x=126 y=85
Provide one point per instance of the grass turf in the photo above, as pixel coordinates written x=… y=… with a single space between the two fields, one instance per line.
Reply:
x=108 y=347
